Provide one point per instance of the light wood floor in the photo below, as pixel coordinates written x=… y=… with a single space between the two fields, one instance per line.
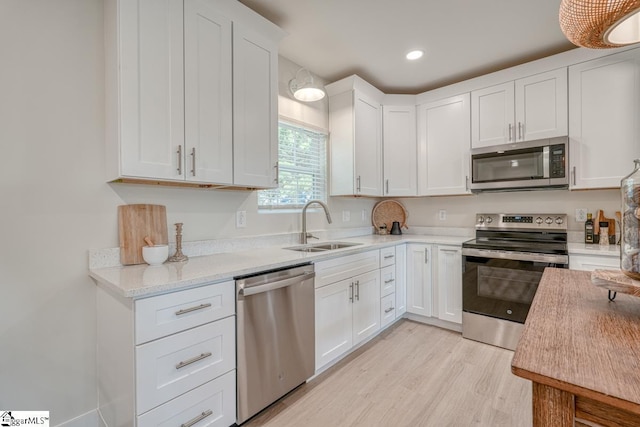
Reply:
x=410 y=375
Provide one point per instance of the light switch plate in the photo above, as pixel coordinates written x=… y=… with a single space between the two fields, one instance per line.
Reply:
x=346 y=216
x=581 y=215
x=241 y=219
x=442 y=215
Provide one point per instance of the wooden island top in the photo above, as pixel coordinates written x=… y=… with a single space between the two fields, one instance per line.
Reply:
x=581 y=352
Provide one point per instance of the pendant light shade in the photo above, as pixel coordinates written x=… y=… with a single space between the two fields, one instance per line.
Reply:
x=601 y=24
x=304 y=88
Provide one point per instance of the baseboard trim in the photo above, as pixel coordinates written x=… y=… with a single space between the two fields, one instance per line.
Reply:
x=90 y=419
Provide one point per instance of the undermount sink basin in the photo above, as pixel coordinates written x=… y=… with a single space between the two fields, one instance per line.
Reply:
x=321 y=247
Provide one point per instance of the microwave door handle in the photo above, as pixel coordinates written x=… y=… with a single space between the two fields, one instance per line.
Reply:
x=545 y=162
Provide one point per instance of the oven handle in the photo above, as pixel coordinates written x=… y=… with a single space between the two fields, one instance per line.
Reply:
x=517 y=256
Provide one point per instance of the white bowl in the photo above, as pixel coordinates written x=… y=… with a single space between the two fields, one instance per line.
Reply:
x=156 y=254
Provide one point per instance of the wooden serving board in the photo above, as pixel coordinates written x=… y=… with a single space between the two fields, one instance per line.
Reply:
x=135 y=222
x=617 y=281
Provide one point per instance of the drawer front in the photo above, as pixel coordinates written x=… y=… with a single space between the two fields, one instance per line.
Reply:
x=335 y=270
x=387 y=280
x=591 y=262
x=167 y=314
x=170 y=366
x=387 y=310
x=211 y=405
x=387 y=256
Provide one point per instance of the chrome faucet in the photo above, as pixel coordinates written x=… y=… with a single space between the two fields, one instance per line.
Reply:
x=304 y=235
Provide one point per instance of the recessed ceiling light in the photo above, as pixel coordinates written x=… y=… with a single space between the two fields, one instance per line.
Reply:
x=415 y=54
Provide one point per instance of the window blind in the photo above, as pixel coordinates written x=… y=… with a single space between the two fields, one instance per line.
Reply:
x=302 y=168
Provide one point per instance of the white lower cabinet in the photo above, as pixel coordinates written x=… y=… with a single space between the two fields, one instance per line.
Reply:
x=366 y=306
x=594 y=262
x=449 y=283
x=168 y=359
x=401 y=280
x=387 y=310
x=419 y=280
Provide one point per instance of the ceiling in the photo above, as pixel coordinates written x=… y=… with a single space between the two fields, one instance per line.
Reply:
x=461 y=38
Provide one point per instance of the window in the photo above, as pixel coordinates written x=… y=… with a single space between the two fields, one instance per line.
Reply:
x=301 y=169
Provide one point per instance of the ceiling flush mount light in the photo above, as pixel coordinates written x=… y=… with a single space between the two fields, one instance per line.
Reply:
x=415 y=54
x=601 y=24
x=303 y=87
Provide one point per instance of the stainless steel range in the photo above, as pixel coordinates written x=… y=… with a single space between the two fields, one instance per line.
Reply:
x=501 y=269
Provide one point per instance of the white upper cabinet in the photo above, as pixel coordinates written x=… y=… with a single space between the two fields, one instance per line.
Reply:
x=191 y=95
x=399 y=151
x=443 y=146
x=355 y=121
x=208 y=95
x=255 y=108
x=604 y=106
x=526 y=109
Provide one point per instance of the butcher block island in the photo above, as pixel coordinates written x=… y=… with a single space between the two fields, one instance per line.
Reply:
x=581 y=352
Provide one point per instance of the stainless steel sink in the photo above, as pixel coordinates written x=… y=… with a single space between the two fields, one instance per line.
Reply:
x=321 y=247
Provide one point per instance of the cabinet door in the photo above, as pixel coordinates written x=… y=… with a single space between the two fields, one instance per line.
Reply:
x=368 y=146
x=366 y=306
x=541 y=106
x=492 y=114
x=401 y=280
x=399 y=151
x=208 y=98
x=604 y=129
x=255 y=109
x=333 y=321
x=450 y=283
x=419 y=282
x=444 y=144
x=151 y=92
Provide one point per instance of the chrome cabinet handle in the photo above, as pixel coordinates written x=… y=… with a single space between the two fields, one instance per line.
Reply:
x=389 y=309
x=519 y=130
x=190 y=309
x=193 y=161
x=510 y=131
x=388 y=256
x=351 y=292
x=277 y=168
x=573 y=175
x=387 y=183
x=179 y=153
x=426 y=256
x=358 y=184
x=197 y=419
x=357 y=290
x=466 y=183
x=193 y=360
x=389 y=281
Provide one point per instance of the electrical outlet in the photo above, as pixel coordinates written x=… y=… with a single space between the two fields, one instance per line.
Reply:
x=442 y=215
x=581 y=215
x=364 y=215
x=241 y=219
x=346 y=216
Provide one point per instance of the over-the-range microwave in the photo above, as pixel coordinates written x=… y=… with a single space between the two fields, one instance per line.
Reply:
x=532 y=165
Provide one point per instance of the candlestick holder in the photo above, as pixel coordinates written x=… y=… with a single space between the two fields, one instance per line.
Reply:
x=178 y=256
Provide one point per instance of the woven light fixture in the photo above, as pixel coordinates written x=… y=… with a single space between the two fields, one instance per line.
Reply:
x=600 y=24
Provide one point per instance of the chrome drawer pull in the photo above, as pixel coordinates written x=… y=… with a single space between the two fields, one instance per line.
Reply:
x=197 y=419
x=193 y=360
x=190 y=309
x=388 y=256
x=389 y=281
x=389 y=309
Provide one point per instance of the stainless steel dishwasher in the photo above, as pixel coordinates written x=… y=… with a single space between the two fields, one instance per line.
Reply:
x=276 y=336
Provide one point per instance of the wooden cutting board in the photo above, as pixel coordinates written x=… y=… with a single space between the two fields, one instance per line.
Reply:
x=135 y=222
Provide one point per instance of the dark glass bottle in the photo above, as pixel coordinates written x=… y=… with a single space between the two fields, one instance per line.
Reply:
x=588 y=229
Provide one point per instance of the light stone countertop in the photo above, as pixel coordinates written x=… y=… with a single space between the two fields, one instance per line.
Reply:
x=137 y=281
x=612 y=251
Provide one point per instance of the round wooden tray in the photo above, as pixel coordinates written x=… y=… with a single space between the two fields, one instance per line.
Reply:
x=388 y=211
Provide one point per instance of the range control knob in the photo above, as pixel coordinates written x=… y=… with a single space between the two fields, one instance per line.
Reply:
x=559 y=220
x=480 y=220
x=539 y=220
x=489 y=220
x=548 y=220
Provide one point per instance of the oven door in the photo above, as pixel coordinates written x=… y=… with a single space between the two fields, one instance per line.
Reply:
x=502 y=284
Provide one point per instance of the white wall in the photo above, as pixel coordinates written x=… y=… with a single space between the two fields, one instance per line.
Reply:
x=55 y=205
